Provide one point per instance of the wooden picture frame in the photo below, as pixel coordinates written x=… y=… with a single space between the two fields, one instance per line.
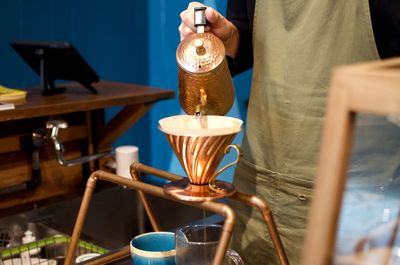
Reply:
x=372 y=88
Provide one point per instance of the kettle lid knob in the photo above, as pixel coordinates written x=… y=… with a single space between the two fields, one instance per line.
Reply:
x=200 y=49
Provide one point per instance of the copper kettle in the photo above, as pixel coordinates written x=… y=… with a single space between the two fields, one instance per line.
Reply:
x=205 y=83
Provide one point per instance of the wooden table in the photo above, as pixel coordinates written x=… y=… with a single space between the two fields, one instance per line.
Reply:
x=87 y=133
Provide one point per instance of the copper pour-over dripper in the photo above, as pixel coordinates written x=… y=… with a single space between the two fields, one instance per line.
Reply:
x=200 y=145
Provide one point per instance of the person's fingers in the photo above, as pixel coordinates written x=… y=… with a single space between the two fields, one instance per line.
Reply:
x=187 y=26
x=216 y=23
x=187 y=19
x=187 y=16
x=185 y=31
x=180 y=29
x=192 y=5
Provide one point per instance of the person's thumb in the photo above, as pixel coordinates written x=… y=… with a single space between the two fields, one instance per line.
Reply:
x=214 y=18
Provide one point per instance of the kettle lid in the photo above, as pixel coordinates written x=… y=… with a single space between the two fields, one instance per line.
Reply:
x=200 y=53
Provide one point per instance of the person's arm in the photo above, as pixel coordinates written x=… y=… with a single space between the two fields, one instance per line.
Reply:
x=240 y=13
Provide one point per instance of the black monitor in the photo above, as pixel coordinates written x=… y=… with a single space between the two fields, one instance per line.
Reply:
x=56 y=61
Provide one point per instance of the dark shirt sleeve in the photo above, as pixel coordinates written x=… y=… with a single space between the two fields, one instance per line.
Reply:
x=385 y=17
x=240 y=13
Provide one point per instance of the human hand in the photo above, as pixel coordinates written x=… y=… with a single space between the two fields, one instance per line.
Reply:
x=217 y=24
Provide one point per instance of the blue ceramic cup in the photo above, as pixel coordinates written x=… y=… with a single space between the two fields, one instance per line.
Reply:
x=154 y=248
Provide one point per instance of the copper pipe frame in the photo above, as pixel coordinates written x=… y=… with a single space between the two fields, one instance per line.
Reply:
x=144 y=188
x=251 y=200
x=218 y=208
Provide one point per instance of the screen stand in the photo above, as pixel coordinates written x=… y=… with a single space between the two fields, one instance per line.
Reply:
x=89 y=87
x=48 y=87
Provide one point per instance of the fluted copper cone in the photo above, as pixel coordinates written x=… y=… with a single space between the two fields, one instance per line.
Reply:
x=200 y=144
x=200 y=156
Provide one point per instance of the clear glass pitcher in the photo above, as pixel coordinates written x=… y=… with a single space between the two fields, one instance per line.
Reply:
x=197 y=244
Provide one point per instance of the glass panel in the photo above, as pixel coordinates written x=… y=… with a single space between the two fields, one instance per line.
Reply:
x=368 y=225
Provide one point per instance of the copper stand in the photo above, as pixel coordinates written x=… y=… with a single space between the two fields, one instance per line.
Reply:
x=183 y=190
x=143 y=188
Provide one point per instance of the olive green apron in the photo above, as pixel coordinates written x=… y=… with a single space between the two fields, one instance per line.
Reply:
x=296 y=44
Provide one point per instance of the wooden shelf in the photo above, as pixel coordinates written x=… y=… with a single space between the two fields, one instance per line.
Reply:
x=87 y=133
x=76 y=98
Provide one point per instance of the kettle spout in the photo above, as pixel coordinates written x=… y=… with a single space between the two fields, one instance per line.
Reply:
x=201 y=107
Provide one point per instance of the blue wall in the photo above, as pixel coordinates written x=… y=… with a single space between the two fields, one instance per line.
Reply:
x=124 y=40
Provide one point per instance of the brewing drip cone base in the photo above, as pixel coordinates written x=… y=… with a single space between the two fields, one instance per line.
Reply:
x=185 y=191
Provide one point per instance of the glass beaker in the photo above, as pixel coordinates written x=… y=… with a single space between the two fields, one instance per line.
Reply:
x=197 y=244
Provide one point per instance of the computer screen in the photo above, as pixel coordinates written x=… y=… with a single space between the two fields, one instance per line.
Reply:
x=56 y=61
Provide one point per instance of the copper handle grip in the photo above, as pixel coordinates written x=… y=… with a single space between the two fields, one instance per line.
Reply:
x=227 y=149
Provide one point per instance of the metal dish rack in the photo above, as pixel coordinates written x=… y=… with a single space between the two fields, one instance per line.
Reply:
x=51 y=251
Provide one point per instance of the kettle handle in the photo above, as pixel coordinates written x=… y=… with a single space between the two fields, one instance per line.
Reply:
x=200 y=18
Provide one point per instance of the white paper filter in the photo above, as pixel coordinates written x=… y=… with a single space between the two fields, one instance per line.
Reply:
x=204 y=125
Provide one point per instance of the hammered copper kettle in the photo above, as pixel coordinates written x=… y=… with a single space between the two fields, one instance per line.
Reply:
x=205 y=83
